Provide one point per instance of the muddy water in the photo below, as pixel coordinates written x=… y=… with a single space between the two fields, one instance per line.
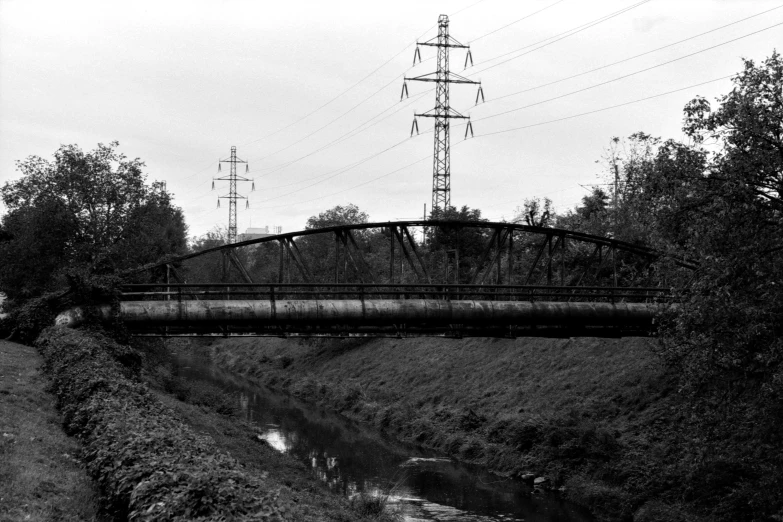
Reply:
x=422 y=484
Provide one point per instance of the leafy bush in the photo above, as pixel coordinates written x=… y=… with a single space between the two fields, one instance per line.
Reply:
x=373 y=507
x=29 y=318
x=149 y=465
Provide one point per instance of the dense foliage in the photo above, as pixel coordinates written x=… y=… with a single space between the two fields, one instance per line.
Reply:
x=149 y=465
x=85 y=212
x=717 y=199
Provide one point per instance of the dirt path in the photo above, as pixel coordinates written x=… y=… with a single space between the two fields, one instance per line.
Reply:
x=41 y=478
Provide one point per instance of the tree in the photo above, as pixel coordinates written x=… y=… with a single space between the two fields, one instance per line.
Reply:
x=536 y=213
x=320 y=249
x=593 y=216
x=717 y=200
x=339 y=215
x=724 y=208
x=455 y=243
x=82 y=210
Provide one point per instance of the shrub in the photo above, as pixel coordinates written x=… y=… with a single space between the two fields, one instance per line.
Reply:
x=149 y=465
x=28 y=319
x=373 y=507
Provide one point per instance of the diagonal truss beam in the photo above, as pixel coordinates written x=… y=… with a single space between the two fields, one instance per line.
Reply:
x=361 y=267
x=532 y=270
x=484 y=257
x=412 y=243
x=501 y=240
x=552 y=251
x=400 y=240
x=296 y=257
x=234 y=259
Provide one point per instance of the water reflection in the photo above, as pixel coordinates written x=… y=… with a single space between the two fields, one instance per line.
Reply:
x=352 y=459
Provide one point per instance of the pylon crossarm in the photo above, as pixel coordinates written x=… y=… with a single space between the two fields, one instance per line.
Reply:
x=459 y=116
x=450 y=42
x=459 y=46
x=424 y=78
x=456 y=78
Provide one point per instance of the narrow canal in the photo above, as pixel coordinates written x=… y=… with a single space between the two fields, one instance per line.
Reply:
x=350 y=459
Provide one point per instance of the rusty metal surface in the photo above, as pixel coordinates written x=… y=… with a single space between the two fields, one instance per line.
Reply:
x=376 y=312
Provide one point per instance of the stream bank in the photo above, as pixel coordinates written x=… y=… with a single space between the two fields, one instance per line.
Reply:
x=354 y=460
x=568 y=410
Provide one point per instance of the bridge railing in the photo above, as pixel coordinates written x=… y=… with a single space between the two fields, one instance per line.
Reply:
x=448 y=292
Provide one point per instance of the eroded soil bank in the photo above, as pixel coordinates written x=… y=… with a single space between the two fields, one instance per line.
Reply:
x=575 y=411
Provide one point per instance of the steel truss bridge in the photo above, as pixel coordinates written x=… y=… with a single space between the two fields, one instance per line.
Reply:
x=472 y=278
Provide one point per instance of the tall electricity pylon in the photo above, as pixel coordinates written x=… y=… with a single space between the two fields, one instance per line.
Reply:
x=232 y=192
x=441 y=160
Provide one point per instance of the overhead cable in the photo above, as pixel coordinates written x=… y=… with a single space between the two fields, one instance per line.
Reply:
x=516 y=21
x=604 y=108
x=631 y=57
x=554 y=39
x=629 y=74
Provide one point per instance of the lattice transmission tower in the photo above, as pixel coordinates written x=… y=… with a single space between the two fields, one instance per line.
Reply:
x=232 y=195
x=443 y=113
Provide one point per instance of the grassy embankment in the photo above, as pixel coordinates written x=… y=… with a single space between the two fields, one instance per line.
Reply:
x=41 y=477
x=577 y=411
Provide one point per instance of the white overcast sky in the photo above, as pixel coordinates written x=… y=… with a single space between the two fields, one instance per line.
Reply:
x=177 y=83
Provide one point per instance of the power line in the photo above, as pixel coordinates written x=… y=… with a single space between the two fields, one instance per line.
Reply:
x=357 y=83
x=341 y=94
x=360 y=184
x=399 y=53
x=342 y=171
x=348 y=135
x=556 y=38
x=603 y=108
x=511 y=130
x=382 y=88
x=516 y=21
x=629 y=74
x=555 y=120
x=464 y=9
x=370 y=96
x=334 y=120
x=630 y=58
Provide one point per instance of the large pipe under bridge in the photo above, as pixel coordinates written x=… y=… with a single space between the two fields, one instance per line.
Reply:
x=381 y=310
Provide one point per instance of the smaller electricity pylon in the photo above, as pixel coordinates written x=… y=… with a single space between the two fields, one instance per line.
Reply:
x=441 y=164
x=232 y=195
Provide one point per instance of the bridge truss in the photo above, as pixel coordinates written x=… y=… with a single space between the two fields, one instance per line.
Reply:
x=458 y=279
